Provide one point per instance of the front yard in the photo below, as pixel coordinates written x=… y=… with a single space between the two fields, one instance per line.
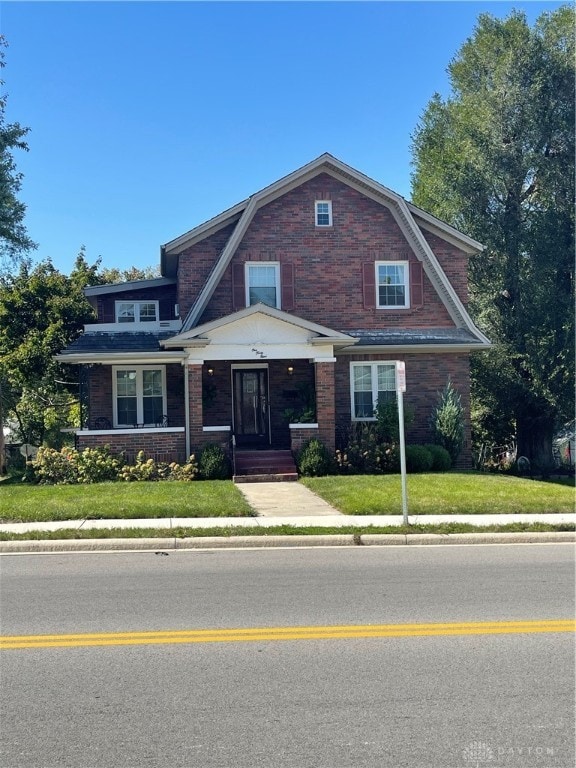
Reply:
x=452 y=493
x=38 y=503
x=428 y=494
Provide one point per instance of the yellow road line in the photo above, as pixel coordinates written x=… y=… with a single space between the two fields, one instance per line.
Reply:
x=254 y=634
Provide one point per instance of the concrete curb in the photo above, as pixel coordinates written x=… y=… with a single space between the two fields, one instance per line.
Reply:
x=243 y=542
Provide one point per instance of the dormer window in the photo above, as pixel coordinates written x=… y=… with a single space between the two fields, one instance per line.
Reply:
x=137 y=311
x=323 y=213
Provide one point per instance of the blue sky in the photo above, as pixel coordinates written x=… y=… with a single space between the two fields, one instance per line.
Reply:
x=147 y=118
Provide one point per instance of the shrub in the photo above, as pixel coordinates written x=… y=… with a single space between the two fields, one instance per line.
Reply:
x=54 y=467
x=143 y=469
x=97 y=465
x=387 y=425
x=447 y=421
x=418 y=459
x=314 y=459
x=214 y=464
x=362 y=451
x=187 y=471
x=441 y=461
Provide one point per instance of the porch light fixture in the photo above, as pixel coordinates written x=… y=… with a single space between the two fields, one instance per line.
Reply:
x=210 y=371
x=290 y=370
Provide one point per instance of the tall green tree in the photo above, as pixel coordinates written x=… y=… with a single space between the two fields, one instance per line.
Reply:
x=496 y=159
x=14 y=240
x=41 y=311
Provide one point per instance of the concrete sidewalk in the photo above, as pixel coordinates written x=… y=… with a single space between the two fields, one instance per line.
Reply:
x=293 y=504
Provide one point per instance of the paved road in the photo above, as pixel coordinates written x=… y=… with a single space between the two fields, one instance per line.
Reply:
x=435 y=702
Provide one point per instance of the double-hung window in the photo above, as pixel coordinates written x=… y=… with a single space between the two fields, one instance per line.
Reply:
x=371 y=384
x=136 y=311
x=323 y=213
x=392 y=284
x=139 y=396
x=263 y=283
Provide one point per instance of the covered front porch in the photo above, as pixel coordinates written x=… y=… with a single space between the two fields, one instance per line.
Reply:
x=259 y=379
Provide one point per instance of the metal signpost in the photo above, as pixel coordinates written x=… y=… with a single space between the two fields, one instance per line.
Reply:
x=400 y=389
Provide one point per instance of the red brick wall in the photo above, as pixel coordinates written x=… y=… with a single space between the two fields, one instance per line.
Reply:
x=453 y=261
x=166 y=296
x=325 y=403
x=161 y=446
x=426 y=375
x=327 y=262
x=195 y=265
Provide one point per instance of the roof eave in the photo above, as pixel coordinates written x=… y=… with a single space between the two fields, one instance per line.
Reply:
x=406 y=348
x=114 y=358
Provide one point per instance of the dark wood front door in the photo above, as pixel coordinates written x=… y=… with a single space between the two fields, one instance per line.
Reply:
x=251 y=418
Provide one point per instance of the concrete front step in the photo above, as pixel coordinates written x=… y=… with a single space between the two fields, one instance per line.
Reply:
x=262 y=466
x=282 y=477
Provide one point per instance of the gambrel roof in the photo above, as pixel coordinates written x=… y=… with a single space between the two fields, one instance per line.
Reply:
x=411 y=220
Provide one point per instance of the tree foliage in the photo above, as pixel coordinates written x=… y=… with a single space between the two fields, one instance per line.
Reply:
x=41 y=311
x=14 y=240
x=496 y=159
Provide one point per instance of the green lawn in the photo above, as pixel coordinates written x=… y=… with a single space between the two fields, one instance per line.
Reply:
x=277 y=530
x=464 y=493
x=209 y=498
x=450 y=493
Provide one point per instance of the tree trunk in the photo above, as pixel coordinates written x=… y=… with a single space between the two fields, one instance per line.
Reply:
x=535 y=435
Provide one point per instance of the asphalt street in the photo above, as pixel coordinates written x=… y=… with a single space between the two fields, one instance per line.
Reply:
x=440 y=701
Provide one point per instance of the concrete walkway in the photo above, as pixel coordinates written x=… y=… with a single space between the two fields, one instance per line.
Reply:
x=285 y=500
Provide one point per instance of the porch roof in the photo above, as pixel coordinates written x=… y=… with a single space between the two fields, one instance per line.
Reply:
x=414 y=338
x=98 y=346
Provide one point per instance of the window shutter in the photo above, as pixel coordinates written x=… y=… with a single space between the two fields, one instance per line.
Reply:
x=287 y=285
x=416 y=284
x=369 y=284
x=238 y=287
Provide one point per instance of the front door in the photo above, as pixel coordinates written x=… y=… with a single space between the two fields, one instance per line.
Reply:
x=251 y=422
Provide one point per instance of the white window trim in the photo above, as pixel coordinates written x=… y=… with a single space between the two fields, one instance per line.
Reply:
x=262 y=264
x=406 y=266
x=137 y=305
x=329 y=204
x=139 y=391
x=374 y=381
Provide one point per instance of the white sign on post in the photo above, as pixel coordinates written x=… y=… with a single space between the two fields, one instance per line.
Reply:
x=400 y=376
x=400 y=389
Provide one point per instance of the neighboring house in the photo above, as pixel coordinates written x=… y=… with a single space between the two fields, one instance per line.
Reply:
x=297 y=300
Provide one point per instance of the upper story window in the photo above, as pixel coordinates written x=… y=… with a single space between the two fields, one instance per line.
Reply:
x=137 y=311
x=370 y=384
x=392 y=284
x=263 y=284
x=323 y=213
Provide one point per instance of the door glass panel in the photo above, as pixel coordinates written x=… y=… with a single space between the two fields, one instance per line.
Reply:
x=251 y=406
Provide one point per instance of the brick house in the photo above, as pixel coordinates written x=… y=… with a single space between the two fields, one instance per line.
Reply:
x=279 y=320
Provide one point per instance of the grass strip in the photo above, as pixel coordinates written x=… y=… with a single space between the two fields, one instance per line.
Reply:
x=279 y=530
x=462 y=493
x=101 y=501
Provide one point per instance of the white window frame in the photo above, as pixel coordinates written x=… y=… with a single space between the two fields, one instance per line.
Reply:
x=406 y=266
x=317 y=212
x=139 y=392
x=137 y=305
x=261 y=265
x=373 y=382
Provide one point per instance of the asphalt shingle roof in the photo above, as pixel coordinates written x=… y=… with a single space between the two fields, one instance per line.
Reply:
x=408 y=336
x=118 y=342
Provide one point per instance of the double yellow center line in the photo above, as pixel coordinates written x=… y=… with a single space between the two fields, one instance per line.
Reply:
x=265 y=634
